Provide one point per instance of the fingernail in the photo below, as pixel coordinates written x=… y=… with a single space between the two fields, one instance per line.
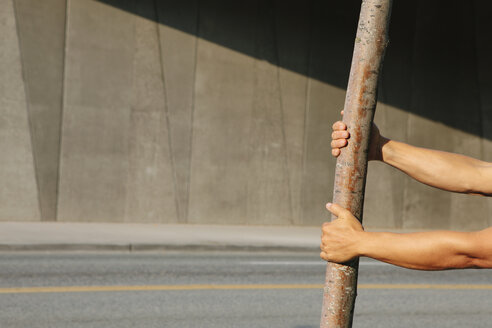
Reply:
x=328 y=204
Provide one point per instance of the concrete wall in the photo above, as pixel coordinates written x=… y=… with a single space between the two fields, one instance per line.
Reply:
x=221 y=112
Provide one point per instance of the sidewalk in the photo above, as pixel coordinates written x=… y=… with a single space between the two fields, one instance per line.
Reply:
x=129 y=237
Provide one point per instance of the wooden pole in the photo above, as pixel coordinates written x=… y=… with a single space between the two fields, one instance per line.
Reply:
x=351 y=168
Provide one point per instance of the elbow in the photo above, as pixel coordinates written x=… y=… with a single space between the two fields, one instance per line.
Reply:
x=480 y=263
x=476 y=185
x=480 y=254
x=473 y=189
x=464 y=262
x=477 y=191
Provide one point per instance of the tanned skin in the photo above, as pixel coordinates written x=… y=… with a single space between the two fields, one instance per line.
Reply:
x=344 y=238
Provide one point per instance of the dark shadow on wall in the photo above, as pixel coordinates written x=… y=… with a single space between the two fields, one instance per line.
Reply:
x=432 y=66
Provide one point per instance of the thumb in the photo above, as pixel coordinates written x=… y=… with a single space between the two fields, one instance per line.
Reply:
x=337 y=210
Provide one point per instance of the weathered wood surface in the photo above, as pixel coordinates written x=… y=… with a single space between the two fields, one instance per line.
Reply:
x=350 y=176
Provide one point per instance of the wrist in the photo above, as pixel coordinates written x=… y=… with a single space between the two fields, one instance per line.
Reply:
x=360 y=246
x=364 y=241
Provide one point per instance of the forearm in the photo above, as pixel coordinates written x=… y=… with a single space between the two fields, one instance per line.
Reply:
x=447 y=171
x=435 y=250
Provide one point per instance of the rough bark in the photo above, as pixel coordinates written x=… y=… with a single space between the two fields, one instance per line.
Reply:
x=350 y=175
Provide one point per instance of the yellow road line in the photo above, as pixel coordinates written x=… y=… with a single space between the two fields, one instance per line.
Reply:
x=72 y=289
x=424 y=286
x=79 y=289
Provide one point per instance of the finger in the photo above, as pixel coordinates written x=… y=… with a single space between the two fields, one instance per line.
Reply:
x=324 y=229
x=341 y=112
x=335 y=152
x=339 y=143
x=337 y=210
x=343 y=134
x=324 y=256
x=339 y=125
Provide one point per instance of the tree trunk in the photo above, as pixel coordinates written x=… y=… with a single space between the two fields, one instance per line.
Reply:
x=350 y=175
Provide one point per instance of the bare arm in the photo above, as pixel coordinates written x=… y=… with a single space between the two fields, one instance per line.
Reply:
x=344 y=239
x=447 y=171
x=433 y=250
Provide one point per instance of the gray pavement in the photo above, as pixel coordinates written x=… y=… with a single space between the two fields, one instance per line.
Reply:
x=55 y=236
x=164 y=298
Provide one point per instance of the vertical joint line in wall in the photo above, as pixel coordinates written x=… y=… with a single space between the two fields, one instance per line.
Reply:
x=477 y=78
x=252 y=109
x=166 y=113
x=282 y=119
x=411 y=105
x=308 y=101
x=479 y=90
x=192 y=118
x=62 y=109
x=28 y=111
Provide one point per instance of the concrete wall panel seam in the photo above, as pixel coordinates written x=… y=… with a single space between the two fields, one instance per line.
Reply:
x=19 y=198
x=65 y=49
x=166 y=111
x=191 y=145
x=62 y=104
x=192 y=118
x=307 y=105
x=26 y=94
x=291 y=219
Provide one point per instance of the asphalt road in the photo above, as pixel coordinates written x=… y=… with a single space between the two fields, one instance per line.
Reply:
x=226 y=290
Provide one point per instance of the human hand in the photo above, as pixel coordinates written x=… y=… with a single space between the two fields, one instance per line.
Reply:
x=340 y=137
x=340 y=238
